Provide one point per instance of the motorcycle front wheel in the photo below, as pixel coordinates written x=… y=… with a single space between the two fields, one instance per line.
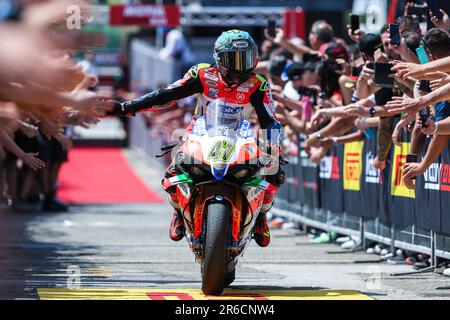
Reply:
x=215 y=258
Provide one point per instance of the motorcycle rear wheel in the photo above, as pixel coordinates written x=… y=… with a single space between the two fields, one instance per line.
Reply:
x=215 y=258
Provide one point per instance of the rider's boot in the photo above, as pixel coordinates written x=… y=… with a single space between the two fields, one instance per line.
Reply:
x=262 y=232
x=177 y=228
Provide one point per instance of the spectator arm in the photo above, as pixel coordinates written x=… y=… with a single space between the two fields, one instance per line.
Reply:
x=296 y=49
x=440 y=94
x=384 y=137
x=337 y=126
x=355 y=136
x=32 y=93
x=10 y=145
x=442 y=65
x=438 y=143
x=417 y=140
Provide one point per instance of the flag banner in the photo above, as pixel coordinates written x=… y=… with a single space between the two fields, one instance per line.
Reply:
x=428 y=194
x=330 y=185
x=444 y=193
x=353 y=165
x=400 y=200
x=145 y=15
x=347 y=181
x=308 y=177
x=371 y=199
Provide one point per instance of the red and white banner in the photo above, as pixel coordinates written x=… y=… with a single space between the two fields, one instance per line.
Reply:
x=294 y=23
x=145 y=15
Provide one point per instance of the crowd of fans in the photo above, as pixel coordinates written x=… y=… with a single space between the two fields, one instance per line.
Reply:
x=329 y=92
x=44 y=92
x=320 y=97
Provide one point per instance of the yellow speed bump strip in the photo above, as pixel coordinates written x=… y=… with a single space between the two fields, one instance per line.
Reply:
x=195 y=294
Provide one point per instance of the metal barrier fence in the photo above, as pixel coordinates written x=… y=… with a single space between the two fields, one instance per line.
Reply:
x=311 y=205
x=141 y=138
x=147 y=70
x=413 y=238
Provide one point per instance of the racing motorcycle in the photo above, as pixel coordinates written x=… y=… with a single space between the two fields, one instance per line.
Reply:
x=220 y=186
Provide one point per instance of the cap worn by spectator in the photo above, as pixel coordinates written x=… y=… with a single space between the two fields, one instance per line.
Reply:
x=334 y=51
x=277 y=65
x=295 y=70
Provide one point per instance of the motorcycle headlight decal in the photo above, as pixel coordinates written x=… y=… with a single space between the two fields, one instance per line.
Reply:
x=197 y=171
x=242 y=173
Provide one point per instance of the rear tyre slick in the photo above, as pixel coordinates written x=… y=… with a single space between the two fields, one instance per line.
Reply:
x=229 y=278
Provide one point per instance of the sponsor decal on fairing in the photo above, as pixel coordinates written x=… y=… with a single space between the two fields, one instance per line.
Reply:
x=243 y=89
x=213 y=93
x=248 y=84
x=210 y=76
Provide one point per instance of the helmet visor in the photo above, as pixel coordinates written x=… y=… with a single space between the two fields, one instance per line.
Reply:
x=238 y=60
x=236 y=77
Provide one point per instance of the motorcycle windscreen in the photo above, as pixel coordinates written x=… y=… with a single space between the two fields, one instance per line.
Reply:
x=222 y=121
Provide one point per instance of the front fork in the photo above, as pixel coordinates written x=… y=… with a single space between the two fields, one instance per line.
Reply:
x=199 y=215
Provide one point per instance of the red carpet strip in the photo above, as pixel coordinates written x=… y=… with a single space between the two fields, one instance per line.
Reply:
x=102 y=175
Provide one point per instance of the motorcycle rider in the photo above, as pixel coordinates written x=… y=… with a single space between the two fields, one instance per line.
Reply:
x=231 y=77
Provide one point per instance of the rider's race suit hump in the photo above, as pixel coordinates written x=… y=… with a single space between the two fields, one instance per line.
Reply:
x=206 y=81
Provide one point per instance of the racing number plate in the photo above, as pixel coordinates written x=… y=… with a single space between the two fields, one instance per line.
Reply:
x=221 y=151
